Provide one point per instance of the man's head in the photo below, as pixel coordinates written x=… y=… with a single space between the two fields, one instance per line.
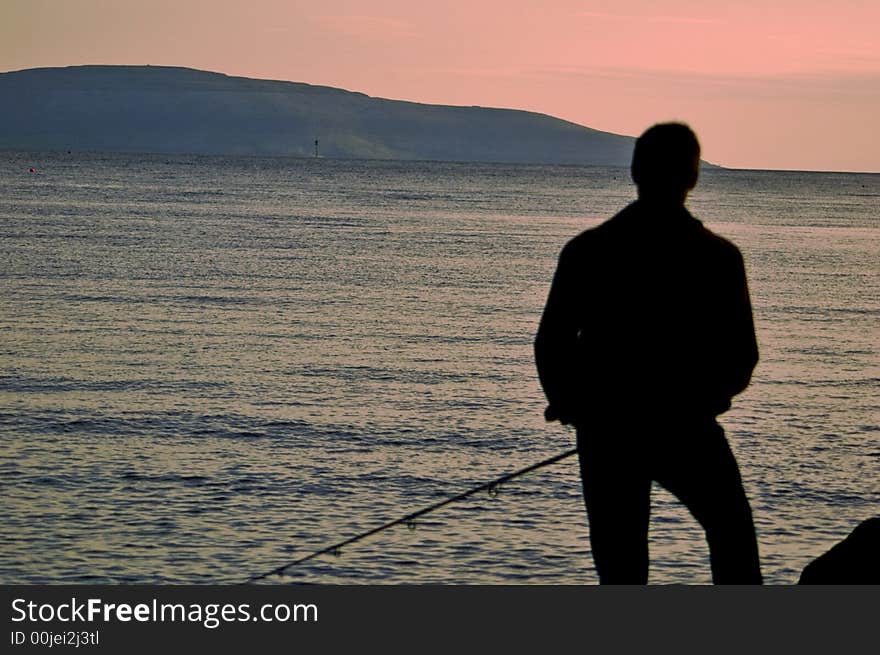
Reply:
x=666 y=162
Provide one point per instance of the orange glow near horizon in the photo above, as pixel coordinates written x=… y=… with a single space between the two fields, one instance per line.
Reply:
x=780 y=84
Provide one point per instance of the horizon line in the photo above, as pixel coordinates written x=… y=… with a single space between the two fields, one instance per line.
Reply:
x=712 y=167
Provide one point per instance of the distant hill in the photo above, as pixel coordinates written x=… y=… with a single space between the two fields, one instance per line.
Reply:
x=181 y=110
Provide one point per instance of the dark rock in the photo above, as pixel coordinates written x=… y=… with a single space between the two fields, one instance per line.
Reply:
x=855 y=560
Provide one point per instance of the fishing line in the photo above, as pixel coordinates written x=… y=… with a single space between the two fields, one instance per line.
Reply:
x=491 y=486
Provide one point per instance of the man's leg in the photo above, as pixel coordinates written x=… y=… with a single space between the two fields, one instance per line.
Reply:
x=700 y=469
x=617 y=494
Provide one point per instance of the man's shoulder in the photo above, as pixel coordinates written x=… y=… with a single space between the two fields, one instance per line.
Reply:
x=598 y=235
x=634 y=223
x=722 y=246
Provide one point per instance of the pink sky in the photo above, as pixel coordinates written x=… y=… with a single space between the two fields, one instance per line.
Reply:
x=765 y=83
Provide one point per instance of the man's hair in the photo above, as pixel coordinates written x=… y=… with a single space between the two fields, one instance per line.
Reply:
x=666 y=159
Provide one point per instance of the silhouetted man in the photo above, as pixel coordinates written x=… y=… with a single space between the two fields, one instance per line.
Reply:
x=646 y=337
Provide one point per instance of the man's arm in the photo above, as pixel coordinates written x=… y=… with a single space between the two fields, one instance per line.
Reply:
x=744 y=346
x=556 y=343
x=728 y=372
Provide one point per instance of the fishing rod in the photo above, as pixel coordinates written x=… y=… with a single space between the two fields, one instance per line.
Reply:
x=409 y=518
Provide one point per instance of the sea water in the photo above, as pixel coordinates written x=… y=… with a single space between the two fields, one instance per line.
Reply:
x=212 y=366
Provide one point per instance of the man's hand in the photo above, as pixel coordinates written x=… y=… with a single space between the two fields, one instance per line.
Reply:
x=550 y=415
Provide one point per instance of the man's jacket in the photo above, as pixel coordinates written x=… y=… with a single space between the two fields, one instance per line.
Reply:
x=648 y=314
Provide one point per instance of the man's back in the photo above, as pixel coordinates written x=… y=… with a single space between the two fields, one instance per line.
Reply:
x=661 y=315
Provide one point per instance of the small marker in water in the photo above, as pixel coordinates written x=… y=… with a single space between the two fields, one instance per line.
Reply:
x=32 y=170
